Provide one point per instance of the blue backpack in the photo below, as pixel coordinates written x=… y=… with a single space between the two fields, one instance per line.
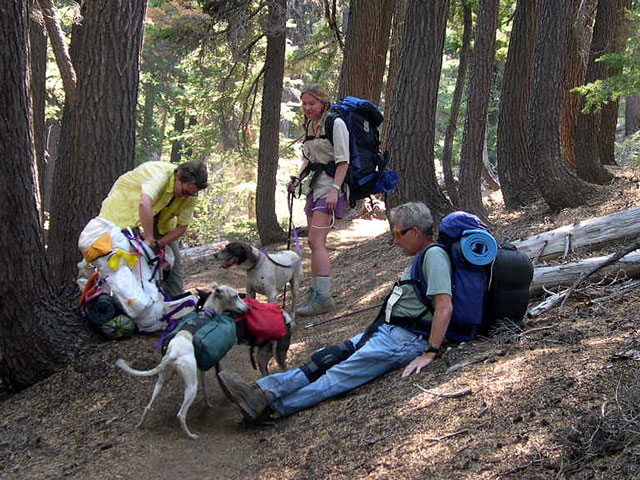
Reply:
x=489 y=283
x=367 y=172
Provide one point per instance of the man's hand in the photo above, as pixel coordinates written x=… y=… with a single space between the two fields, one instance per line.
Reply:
x=418 y=364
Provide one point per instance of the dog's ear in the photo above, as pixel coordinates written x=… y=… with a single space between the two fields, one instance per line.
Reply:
x=214 y=285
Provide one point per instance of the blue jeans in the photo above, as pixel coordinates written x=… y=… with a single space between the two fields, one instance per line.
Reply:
x=389 y=348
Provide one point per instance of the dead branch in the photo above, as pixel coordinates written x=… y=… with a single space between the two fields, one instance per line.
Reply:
x=449 y=435
x=371 y=441
x=480 y=358
x=611 y=260
x=461 y=393
x=484 y=408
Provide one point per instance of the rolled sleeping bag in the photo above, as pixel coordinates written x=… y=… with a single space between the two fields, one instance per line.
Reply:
x=478 y=247
x=102 y=309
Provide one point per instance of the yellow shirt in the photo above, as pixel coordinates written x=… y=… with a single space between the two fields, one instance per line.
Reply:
x=157 y=180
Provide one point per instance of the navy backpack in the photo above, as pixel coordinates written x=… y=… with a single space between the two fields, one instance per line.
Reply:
x=489 y=283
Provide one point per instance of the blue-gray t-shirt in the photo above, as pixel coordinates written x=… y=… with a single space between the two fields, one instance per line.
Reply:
x=436 y=269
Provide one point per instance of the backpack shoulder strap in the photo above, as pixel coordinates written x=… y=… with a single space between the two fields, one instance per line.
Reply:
x=328 y=126
x=417 y=277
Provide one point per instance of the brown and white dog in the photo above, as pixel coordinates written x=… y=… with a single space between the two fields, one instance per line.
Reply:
x=180 y=355
x=267 y=273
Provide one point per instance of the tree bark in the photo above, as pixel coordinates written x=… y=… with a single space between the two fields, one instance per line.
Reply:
x=514 y=170
x=59 y=47
x=38 y=57
x=576 y=66
x=470 y=193
x=631 y=114
x=97 y=142
x=268 y=227
x=609 y=114
x=365 y=50
x=588 y=164
x=397 y=32
x=36 y=334
x=584 y=234
x=412 y=124
x=558 y=185
x=177 y=144
x=465 y=48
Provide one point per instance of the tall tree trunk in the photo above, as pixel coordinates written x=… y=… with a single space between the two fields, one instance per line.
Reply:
x=559 y=186
x=447 y=151
x=146 y=136
x=588 y=164
x=36 y=334
x=38 y=56
x=365 y=50
x=576 y=66
x=470 y=193
x=397 y=30
x=177 y=144
x=631 y=114
x=59 y=47
x=516 y=178
x=609 y=113
x=412 y=123
x=268 y=227
x=98 y=129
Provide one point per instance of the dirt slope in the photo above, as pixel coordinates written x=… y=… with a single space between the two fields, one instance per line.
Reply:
x=556 y=401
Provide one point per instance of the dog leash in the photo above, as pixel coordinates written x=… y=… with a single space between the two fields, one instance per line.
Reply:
x=322 y=322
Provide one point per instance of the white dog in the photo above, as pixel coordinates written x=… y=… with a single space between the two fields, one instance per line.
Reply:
x=267 y=273
x=180 y=356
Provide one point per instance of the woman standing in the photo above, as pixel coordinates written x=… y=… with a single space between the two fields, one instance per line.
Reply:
x=325 y=162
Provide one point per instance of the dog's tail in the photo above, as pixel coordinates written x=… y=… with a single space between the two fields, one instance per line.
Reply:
x=163 y=365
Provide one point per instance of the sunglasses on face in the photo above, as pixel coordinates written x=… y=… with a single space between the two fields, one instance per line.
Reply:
x=185 y=192
x=400 y=233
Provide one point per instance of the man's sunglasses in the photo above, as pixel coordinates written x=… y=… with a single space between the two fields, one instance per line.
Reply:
x=400 y=233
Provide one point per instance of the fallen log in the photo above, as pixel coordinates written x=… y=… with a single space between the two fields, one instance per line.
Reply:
x=612 y=262
x=585 y=233
x=567 y=274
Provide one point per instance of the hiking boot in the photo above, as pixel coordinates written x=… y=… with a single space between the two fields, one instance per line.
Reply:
x=318 y=305
x=251 y=399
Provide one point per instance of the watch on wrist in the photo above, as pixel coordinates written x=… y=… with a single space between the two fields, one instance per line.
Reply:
x=431 y=349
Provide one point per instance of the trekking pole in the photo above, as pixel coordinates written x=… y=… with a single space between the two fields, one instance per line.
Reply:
x=322 y=322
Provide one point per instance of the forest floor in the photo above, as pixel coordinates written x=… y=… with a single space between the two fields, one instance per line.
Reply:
x=557 y=400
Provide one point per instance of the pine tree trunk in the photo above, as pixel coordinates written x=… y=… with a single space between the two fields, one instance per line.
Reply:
x=97 y=142
x=38 y=56
x=516 y=178
x=365 y=51
x=588 y=163
x=268 y=227
x=412 y=125
x=609 y=114
x=631 y=114
x=397 y=30
x=470 y=194
x=560 y=188
x=447 y=151
x=177 y=144
x=36 y=334
x=576 y=66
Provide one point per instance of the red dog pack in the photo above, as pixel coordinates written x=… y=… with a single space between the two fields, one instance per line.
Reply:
x=264 y=320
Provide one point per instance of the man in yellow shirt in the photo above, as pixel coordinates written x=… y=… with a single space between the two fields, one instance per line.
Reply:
x=159 y=198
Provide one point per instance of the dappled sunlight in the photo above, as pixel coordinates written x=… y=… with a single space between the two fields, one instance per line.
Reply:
x=358 y=230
